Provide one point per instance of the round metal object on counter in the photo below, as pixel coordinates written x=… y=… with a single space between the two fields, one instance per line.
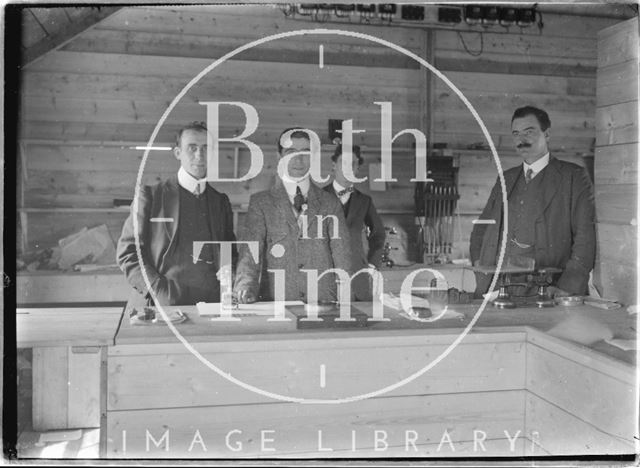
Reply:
x=420 y=312
x=570 y=301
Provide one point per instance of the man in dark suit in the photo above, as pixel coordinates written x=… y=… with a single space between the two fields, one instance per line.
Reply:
x=171 y=216
x=298 y=226
x=551 y=211
x=361 y=216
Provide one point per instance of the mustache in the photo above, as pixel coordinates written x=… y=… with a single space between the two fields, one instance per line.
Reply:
x=524 y=145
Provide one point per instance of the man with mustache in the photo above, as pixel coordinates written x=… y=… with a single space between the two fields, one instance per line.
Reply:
x=551 y=211
x=171 y=216
x=298 y=226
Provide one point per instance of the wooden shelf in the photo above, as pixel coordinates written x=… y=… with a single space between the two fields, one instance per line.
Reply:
x=133 y=144
x=74 y=210
x=508 y=151
x=125 y=209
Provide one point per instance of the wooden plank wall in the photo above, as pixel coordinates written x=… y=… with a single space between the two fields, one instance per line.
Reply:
x=85 y=106
x=616 y=161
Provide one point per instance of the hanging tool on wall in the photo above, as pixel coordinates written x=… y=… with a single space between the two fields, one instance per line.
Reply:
x=435 y=204
x=439 y=200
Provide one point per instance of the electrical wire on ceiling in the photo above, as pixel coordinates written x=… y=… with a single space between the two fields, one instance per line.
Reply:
x=287 y=10
x=322 y=19
x=540 y=22
x=464 y=44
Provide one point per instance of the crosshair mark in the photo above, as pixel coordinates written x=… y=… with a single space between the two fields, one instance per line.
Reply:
x=321 y=56
x=323 y=376
x=483 y=221
x=162 y=220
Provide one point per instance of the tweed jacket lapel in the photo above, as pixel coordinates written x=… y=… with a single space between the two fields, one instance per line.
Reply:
x=313 y=206
x=279 y=193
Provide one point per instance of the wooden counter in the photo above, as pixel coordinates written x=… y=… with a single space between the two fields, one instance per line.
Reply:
x=68 y=362
x=507 y=377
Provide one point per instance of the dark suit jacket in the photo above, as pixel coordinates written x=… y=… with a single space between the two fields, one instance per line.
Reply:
x=270 y=220
x=156 y=239
x=564 y=226
x=362 y=213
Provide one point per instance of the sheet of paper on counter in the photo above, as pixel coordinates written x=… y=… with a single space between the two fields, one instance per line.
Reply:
x=393 y=301
x=244 y=310
x=625 y=345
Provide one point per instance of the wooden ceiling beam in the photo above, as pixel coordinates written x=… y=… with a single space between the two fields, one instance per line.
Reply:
x=58 y=38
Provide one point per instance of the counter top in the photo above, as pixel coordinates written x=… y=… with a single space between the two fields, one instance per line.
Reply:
x=251 y=328
x=509 y=373
x=67 y=326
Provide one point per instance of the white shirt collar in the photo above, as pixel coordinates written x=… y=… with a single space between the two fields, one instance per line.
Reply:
x=188 y=182
x=290 y=187
x=537 y=166
x=337 y=187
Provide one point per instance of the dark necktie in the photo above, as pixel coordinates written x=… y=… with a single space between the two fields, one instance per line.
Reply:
x=298 y=200
x=528 y=176
x=345 y=191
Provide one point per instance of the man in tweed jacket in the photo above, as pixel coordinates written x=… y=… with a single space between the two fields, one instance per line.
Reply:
x=298 y=226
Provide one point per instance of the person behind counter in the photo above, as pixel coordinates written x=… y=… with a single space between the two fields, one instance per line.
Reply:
x=275 y=220
x=195 y=211
x=551 y=211
x=361 y=216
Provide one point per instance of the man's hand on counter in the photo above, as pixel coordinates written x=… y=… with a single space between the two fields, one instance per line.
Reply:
x=165 y=290
x=245 y=297
x=224 y=273
x=557 y=292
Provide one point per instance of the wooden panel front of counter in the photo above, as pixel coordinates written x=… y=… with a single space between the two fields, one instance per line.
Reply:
x=500 y=391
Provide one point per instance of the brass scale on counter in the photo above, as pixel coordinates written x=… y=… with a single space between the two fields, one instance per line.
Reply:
x=541 y=277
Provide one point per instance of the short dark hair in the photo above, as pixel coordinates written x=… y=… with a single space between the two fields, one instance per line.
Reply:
x=195 y=126
x=542 y=116
x=298 y=132
x=356 y=152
